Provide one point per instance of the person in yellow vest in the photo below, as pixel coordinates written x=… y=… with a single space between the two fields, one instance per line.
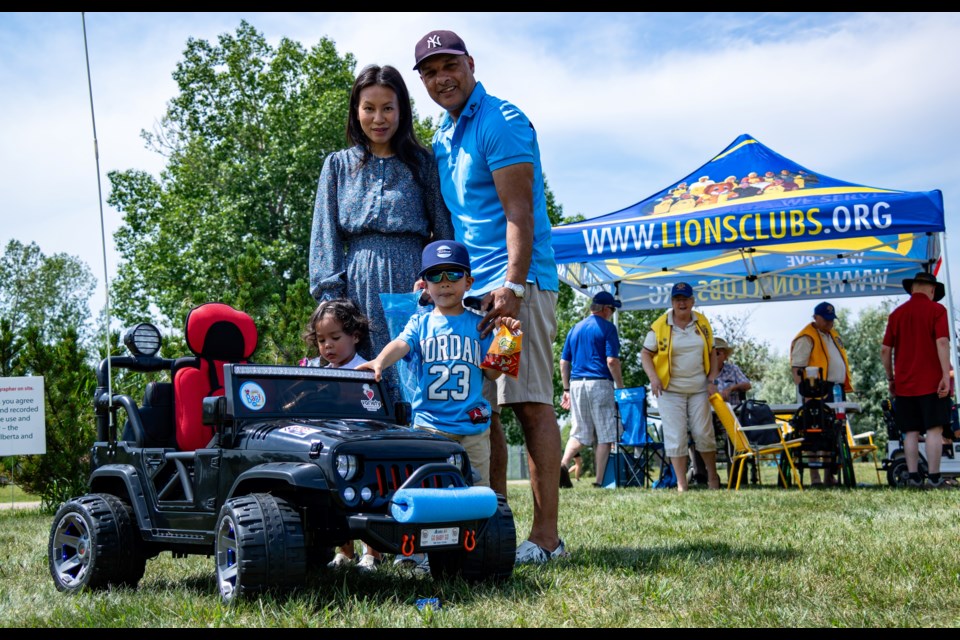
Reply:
x=679 y=359
x=819 y=345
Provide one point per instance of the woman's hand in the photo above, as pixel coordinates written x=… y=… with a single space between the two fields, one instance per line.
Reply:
x=656 y=387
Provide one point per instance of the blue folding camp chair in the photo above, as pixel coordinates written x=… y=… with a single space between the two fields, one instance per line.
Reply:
x=639 y=459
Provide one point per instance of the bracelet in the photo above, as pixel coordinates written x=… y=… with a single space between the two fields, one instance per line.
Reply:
x=567 y=390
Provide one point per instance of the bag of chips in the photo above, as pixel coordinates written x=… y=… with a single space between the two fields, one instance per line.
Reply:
x=504 y=353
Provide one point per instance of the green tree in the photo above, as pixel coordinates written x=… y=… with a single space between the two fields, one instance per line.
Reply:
x=863 y=340
x=229 y=217
x=44 y=317
x=69 y=384
x=51 y=293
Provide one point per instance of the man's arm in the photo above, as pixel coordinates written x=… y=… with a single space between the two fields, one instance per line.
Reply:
x=943 y=350
x=886 y=357
x=565 y=379
x=800 y=356
x=514 y=185
x=614 y=365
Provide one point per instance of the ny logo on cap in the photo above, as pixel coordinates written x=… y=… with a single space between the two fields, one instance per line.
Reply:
x=433 y=41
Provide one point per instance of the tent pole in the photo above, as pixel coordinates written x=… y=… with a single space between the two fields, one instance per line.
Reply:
x=948 y=285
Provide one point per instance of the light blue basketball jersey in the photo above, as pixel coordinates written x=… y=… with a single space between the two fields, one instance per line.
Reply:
x=445 y=353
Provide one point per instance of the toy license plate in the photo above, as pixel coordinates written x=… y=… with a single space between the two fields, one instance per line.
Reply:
x=437 y=537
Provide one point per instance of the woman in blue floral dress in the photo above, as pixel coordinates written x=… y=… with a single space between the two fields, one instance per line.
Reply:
x=378 y=204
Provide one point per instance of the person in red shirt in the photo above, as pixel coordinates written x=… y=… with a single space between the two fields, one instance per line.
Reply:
x=916 y=356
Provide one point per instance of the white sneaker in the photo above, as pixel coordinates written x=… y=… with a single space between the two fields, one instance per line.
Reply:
x=532 y=553
x=368 y=563
x=339 y=561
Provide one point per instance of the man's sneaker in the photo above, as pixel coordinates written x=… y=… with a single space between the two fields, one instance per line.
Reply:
x=339 y=561
x=532 y=553
x=915 y=484
x=940 y=483
x=368 y=563
x=417 y=562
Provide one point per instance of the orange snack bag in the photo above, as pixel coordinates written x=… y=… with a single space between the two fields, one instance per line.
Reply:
x=504 y=353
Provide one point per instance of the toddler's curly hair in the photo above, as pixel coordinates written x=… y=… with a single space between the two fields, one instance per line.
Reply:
x=344 y=311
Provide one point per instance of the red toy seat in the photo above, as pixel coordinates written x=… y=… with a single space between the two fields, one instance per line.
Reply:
x=217 y=334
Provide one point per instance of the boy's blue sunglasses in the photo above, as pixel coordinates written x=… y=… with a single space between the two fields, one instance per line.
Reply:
x=437 y=276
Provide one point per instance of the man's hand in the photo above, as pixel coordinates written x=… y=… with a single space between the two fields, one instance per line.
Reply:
x=498 y=303
x=725 y=394
x=565 y=401
x=944 y=387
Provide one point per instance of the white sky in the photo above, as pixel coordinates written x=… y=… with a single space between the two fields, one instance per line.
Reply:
x=625 y=104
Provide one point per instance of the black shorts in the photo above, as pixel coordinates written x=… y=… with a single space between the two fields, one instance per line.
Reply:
x=919 y=413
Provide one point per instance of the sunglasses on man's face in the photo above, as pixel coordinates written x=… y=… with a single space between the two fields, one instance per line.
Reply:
x=437 y=276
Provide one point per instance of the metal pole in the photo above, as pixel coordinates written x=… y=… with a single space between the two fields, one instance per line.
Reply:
x=948 y=285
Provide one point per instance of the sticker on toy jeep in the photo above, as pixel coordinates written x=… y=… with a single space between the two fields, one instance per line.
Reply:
x=370 y=403
x=252 y=396
x=299 y=431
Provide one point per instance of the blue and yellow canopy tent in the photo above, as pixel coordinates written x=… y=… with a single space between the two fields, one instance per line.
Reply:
x=753 y=226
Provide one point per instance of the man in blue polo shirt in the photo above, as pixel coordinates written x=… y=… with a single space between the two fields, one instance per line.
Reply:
x=590 y=369
x=489 y=164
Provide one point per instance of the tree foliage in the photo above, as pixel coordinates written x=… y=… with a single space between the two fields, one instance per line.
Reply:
x=229 y=217
x=44 y=317
x=50 y=293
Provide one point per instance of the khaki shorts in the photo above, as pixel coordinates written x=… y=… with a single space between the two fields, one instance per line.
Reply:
x=680 y=412
x=538 y=321
x=477 y=448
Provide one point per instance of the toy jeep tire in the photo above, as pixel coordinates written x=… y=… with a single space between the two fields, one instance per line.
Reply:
x=94 y=544
x=259 y=545
x=492 y=559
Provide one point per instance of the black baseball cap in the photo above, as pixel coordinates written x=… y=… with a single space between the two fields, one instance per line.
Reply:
x=438 y=42
x=826 y=311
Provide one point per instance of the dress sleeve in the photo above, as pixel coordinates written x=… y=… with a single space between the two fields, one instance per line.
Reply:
x=438 y=215
x=327 y=271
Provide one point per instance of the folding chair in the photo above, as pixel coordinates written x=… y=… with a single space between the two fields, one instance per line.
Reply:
x=861 y=446
x=744 y=450
x=639 y=452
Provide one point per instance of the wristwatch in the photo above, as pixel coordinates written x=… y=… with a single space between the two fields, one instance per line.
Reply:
x=715 y=381
x=517 y=289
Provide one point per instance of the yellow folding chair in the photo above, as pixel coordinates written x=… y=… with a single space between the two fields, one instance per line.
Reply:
x=744 y=450
x=862 y=446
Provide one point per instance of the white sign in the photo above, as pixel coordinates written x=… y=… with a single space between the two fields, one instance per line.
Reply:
x=22 y=416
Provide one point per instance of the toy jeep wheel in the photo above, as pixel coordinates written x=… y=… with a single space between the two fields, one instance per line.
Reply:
x=492 y=559
x=94 y=544
x=259 y=546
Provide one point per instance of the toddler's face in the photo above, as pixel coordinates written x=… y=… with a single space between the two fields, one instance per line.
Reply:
x=337 y=347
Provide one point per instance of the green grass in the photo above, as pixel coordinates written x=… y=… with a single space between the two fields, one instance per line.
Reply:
x=11 y=493
x=760 y=557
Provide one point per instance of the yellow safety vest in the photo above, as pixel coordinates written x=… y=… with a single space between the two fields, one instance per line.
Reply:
x=664 y=335
x=819 y=356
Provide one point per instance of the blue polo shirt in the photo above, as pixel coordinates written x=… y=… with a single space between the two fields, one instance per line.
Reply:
x=491 y=134
x=588 y=345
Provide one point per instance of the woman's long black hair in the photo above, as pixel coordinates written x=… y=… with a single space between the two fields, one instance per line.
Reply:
x=404 y=142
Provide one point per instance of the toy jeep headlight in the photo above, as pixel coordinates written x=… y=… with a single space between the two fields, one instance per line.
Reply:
x=456 y=460
x=347 y=466
x=142 y=339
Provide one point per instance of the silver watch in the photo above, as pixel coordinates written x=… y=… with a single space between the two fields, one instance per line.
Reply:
x=518 y=289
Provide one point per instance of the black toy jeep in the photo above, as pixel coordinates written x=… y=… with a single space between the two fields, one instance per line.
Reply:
x=295 y=462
